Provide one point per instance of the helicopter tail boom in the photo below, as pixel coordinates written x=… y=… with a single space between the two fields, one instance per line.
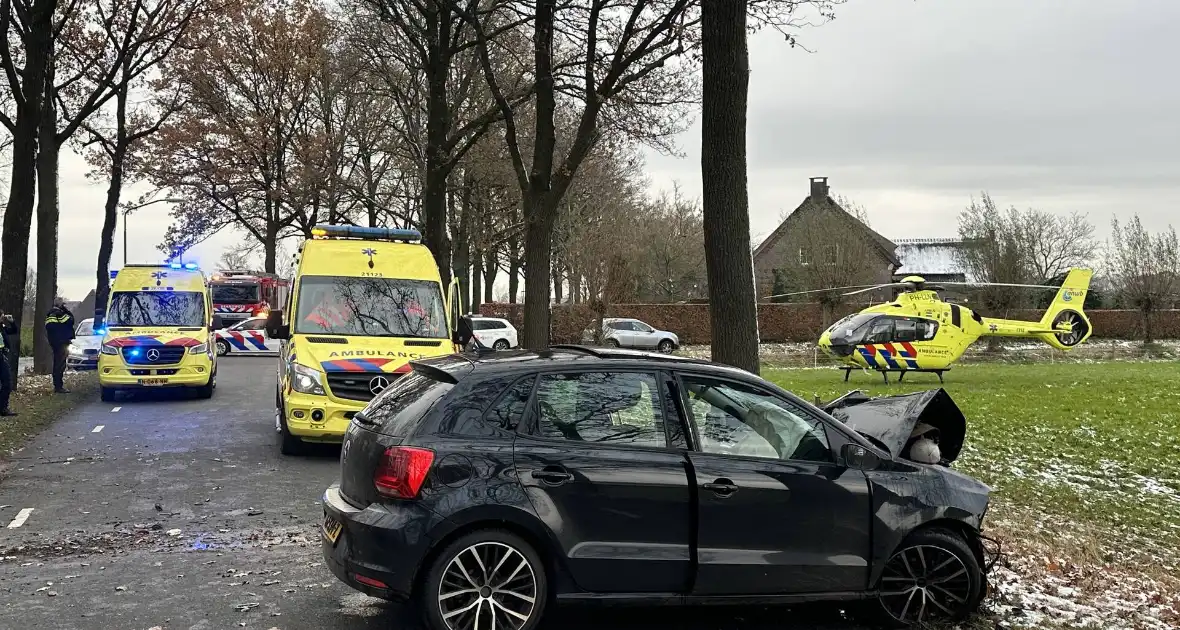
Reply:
x=1064 y=324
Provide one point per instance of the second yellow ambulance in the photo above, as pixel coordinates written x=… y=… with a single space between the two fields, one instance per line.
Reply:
x=159 y=323
x=364 y=303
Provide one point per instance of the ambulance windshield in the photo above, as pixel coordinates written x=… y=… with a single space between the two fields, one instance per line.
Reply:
x=370 y=307
x=157 y=308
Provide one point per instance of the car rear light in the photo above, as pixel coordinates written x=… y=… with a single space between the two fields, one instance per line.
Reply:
x=368 y=581
x=402 y=471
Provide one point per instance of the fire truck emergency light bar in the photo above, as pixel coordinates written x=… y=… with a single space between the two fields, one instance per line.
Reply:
x=365 y=233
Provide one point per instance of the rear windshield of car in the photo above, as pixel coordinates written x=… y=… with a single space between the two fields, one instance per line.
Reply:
x=398 y=410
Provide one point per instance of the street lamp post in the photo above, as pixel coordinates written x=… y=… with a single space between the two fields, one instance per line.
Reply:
x=128 y=209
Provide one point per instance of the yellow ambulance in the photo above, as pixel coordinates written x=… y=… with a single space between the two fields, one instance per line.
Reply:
x=158 y=331
x=364 y=303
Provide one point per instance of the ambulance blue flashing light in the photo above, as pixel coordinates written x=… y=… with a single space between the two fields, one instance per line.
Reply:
x=366 y=233
x=114 y=272
x=188 y=265
x=175 y=265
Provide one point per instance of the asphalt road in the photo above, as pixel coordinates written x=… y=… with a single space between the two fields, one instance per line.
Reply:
x=180 y=513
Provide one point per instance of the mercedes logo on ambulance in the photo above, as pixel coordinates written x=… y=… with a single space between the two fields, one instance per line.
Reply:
x=153 y=355
x=378 y=384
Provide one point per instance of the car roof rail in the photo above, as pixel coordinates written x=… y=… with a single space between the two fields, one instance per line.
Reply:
x=594 y=352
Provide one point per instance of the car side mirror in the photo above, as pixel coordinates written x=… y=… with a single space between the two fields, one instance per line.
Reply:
x=217 y=323
x=275 y=329
x=859 y=458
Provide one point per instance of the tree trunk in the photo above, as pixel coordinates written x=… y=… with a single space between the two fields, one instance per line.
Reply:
x=47 y=220
x=106 y=242
x=538 y=254
x=438 y=121
x=18 y=215
x=476 y=280
x=733 y=310
x=514 y=269
x=491 y=269
x=462 y=253
x=270 y=248
x=557 y=286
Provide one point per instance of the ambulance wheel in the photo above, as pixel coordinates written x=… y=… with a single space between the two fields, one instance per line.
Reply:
x=205 y=391
x=222 y=348
x=109 y=393
x=289 y=444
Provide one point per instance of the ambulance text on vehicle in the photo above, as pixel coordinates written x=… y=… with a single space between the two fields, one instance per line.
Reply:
x=239 y=295
x=159 y=327
x=365 y=302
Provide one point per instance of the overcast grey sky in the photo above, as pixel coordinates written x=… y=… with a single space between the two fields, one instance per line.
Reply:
x=910 y=107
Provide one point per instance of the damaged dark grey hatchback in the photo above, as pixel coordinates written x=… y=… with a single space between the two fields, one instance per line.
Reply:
x=488 y=488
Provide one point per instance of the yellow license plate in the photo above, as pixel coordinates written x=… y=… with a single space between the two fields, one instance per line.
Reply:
x=332 y=529
x=149 y=382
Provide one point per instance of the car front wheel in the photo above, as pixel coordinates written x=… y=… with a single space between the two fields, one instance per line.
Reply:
x=486 y=579
x=666 y=346
x=222 y=348
x=933 y=576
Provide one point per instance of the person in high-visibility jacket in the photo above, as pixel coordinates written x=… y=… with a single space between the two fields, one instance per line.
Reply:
x=59 y=327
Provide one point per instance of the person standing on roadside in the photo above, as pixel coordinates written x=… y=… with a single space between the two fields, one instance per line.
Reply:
x=9 y=337
x=59 y=327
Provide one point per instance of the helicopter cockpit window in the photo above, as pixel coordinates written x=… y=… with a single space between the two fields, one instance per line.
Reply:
x=881 y=331
x=853 y=325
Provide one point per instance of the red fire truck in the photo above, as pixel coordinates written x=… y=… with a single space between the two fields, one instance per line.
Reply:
x=240 y=295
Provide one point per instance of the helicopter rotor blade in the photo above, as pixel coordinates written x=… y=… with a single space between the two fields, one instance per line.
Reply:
x=879 y=286
x=1000 y=284
x=855 y=286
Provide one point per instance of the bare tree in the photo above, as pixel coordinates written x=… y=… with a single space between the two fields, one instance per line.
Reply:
x=230 y=153
x=1144 y=268
x=613 y=63
x=152 y=30
x=423 y=52
x=1053 y=244
x=238 y=256
x=28 y=24
x=993 y=251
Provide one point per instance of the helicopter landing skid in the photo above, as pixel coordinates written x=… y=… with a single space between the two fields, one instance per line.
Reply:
x=900 y=376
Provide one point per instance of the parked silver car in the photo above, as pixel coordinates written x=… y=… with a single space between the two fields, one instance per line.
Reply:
x=623 y=332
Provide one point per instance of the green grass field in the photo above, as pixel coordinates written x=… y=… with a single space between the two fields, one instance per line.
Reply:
x=1091 y=444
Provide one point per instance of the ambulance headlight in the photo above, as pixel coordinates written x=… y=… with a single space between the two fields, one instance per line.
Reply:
x=109 y=349
x=306 y=380
x=202 y=348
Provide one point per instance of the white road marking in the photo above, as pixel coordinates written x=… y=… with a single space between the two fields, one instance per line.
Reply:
x=20 y=519
x=98 y=429
x=115 y=409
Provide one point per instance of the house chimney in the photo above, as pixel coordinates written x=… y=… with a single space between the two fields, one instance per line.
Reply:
x=819 y=188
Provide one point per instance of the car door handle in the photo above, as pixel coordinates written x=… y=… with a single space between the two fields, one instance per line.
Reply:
x=722 y=488
x=553 y=475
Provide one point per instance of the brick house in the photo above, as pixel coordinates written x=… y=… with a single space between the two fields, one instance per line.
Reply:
x=820 y=232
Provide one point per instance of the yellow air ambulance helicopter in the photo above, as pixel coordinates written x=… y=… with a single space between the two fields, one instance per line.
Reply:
x=918 y=332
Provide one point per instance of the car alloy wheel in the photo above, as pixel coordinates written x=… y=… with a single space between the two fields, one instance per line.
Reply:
x=500 y=344
x=666 y=346
x=488 y=585
x=924 y=583
x=222 y=348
